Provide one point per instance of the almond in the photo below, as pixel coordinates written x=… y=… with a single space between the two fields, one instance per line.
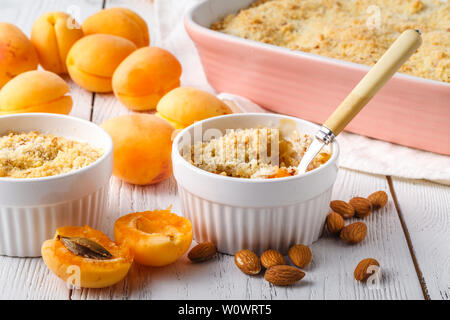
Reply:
x=363 y=270
x=300 y=255
x=335 y=223
x=378 y=199
x=362 y=206
x=248 y=262
x=342 y=208
x=354 y=233
x=282 y=275
x=202 y=252
x=270 y=258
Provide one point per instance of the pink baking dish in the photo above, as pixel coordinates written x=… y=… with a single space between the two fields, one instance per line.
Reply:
x=409 y=110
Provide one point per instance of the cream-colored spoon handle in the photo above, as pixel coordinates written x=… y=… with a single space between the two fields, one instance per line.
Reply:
x=381 y=72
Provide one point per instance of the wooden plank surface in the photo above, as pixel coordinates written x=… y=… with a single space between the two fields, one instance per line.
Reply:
x=425 y=209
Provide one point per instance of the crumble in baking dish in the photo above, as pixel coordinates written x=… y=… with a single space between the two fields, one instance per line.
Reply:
x=358 y=31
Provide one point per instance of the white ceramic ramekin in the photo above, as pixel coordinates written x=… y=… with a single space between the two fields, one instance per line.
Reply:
x=253 y=214
x=32 y=209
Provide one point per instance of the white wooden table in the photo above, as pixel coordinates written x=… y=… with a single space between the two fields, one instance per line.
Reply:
x=410 y=237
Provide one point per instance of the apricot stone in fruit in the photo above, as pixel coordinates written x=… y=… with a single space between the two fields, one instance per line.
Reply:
x=142 y=147
x=93 y=59
x=82 y=271
x=35 y=91
x=183 y=106
x=17 y=53
x=52 y=35
x=145 y=76
x=120 y=22
x=156 y=238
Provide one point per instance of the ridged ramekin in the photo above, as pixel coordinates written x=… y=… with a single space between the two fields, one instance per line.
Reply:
x=32 y=209
x=253 y=214
x=310 y=86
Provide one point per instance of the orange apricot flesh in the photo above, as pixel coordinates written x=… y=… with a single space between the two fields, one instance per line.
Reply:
x=93 y=273
x=156 y=238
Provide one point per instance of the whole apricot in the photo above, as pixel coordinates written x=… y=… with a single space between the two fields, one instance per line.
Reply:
x=17 y=53
x=120 y=22
x=73 y=255
x=184 y=105
x=142 y=147
x=52 y=35
x=156 y=238
x=93 y=59
x=145 y=76
x=35 y=91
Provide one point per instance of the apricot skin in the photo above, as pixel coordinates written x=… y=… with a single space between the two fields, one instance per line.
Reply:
x=52 y=37
x=145 y=76
x=93 y=274
x=35 y=91
x=93 y=59
x=183 y=106
x=17 y=53
x=120 y=22
x=156 y=238
x=142 y=148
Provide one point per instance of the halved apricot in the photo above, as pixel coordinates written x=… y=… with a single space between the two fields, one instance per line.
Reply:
x=88 y=254
x=157 y=238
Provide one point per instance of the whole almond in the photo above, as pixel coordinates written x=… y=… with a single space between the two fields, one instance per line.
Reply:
x=354 y=233
x=300 y=255
x=378 y=199
x=342 y=208
x=283 y=275
x=248 y=262
x=362 y=206
x=202 y=252
x=363 y=270
x=270 y=258
x=335 y=223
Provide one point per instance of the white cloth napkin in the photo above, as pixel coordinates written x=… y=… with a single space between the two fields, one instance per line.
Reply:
x=358 y=152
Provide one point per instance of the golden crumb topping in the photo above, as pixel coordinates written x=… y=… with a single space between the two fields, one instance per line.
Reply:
x=253 y=153
x=35 y=155
x=353 y=30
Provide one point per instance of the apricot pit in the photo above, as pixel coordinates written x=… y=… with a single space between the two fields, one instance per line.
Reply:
x=61 y=255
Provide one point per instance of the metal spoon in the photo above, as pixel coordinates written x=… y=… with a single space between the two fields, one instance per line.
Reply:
x=405 y=45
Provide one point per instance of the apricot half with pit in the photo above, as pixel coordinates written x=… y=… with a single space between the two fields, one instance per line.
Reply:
x=86 y=257
x=35 y=91
x=156 y=238
x=52 y=35
x=120 y=22
x=17 y=53
x=93 y=59
x=142 y=148
x=145 y=76
x=184 y=105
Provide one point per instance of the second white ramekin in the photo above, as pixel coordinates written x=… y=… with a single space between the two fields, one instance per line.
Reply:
x=253 y=214
x=32 y=209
